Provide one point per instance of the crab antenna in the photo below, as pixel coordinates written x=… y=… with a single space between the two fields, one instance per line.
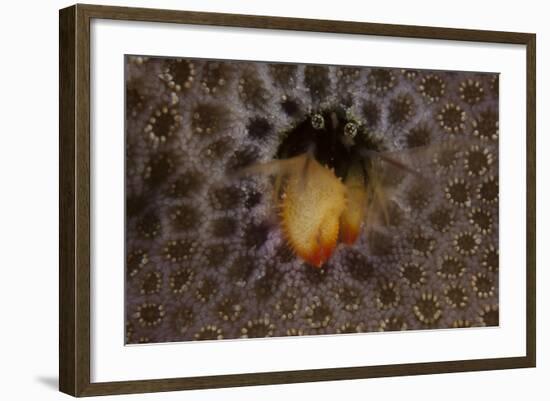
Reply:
x=309 y=156
x=374 y=154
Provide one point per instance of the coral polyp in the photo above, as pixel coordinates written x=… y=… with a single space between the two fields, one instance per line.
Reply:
x=274 y=199
x=452 y=118
x=472 y=92
x=432 y=87
x=427 y=309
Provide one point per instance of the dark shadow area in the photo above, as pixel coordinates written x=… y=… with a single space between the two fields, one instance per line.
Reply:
x=49 y=381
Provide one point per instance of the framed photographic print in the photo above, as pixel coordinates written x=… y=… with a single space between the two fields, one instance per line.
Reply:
x=251 y=200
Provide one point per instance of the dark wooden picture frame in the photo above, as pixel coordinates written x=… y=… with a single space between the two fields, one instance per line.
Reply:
x=74 y=115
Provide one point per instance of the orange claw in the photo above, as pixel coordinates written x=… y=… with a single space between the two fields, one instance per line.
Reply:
x=354 y=214
x=322 y=251
x=312 y=204
x=349 y=234
x=317 y=254
x=316 y=259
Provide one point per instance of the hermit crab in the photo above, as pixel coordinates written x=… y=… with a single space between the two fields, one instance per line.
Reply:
x=333 y=180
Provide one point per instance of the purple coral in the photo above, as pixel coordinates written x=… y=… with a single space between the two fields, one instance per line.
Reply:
x=205 y=256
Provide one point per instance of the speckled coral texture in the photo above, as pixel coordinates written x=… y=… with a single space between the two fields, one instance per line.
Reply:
x=206 y=258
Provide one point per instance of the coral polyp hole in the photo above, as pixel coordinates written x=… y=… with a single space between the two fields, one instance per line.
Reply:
x=267 y=286
x=290 y=107
x=186 y=185
x=381 y=80
x=179 y=250
x=489 y=315
x=452 y=118
x=441 y=219
x=348 y=75
x=432 y=87
x=226 y=198
x=393 y=323
x=317 y=276
x=243 y=157
x=216 y=150
x=209 y=332
x=358 y=266
x=207 y=289
x=241 y=269
x=381 y=244
x=283 y=74
x=450 y=267
x=149 y=314
x=224 y=227
x=401 y=109
x=486 y=125
x=215 y=76
x=256 y=235
x=419 y=136
x=371 y=114
x=490 y=259
x=471 y=92
x=216 y=255
x=185 y=218
x=208 y=119
x=419 y=195
x=160 y=167
x=478 y=160
x=318 y=314
x=427 y=309
x=136 y=260
x=258 y=328
x=317 y=80
x=149 y=225
x=333 y=137
x=422 y=244
x=458 y=192
x=151 y=283
x=456 y=296
x=488 y=190
x=483 y=285
x=252 y=92
x=181 y=280
x=388 y=296
x=182 y=73
x=229 y=308
x=134 y=101
x=259 y=128
x=466 y=243
x=414 y=274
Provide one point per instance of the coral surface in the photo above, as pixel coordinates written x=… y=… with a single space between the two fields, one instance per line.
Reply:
x=206 y=254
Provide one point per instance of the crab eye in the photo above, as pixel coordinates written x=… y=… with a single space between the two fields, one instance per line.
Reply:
x=317 y=121
x=350 y=130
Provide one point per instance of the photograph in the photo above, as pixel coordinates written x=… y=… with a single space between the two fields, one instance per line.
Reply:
x=270 y=199
x=275 y=200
